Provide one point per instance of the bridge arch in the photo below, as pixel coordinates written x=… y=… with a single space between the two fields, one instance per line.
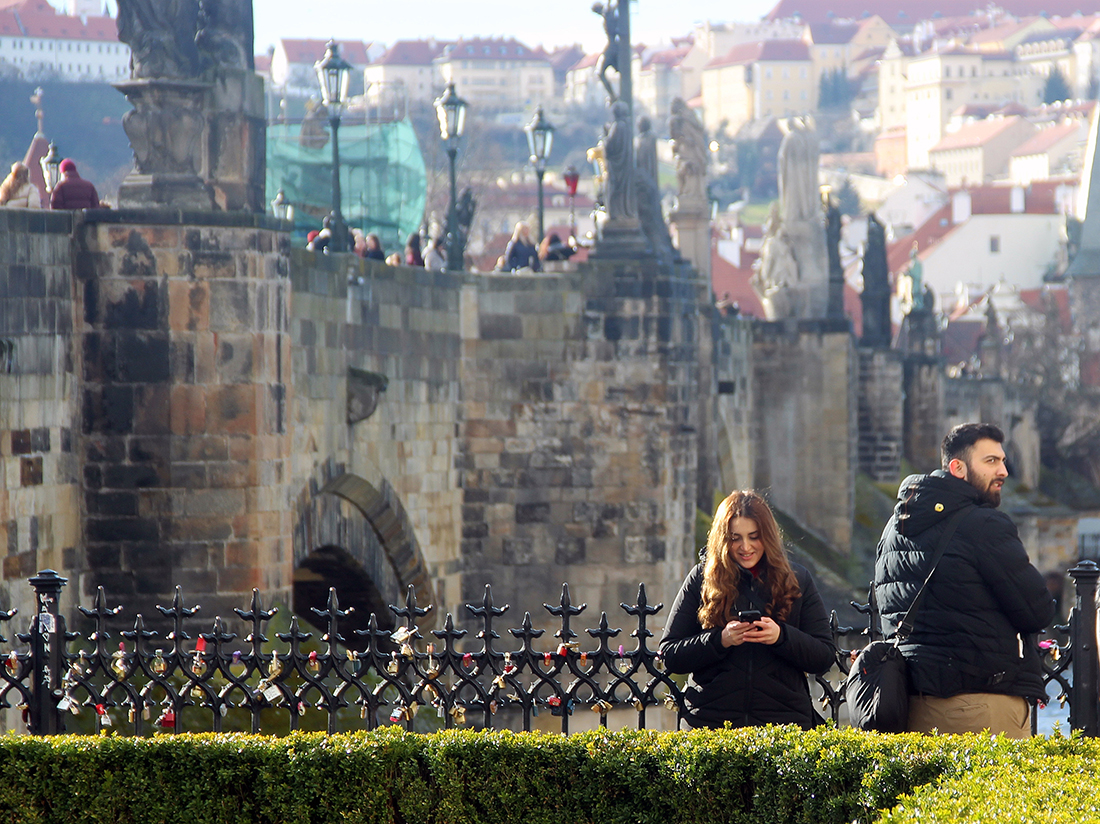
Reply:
x=357 y=537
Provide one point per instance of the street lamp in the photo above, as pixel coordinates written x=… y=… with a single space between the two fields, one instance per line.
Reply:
x=51 y=167
x=451 y=111
x=540 y=136
x=572 y=178
x=333 y=74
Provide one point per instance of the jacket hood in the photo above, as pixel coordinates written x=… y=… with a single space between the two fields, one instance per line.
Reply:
x=926 y=500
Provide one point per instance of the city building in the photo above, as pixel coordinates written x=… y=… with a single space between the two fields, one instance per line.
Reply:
x=660 y=76
x=293 y=61
x=1055 y=150
x=979 y=152
x=497 y=73
x=405 y=71
x=892 y=78
x=770 y=78
x=37 y=42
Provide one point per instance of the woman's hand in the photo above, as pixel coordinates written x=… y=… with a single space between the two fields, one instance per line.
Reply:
x=764 y=631
x=734 y=633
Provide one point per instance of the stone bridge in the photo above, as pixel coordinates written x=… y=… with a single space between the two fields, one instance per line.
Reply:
x=185 y=399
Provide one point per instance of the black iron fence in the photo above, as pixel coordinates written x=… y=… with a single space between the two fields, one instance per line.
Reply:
x=146 y=681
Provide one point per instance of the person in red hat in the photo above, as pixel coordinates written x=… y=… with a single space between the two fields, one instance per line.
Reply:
x=73 y=191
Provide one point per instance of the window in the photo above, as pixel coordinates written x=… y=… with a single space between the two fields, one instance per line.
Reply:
x=786 y=73
x=786 y=95
x=802 y=73
x=768 y=94
x=947 y=94
x=768 y=73
x=803 y=94
x=994 y=244
x=946 y=71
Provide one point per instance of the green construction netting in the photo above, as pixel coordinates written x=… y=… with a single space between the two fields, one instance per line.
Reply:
x=383 y=186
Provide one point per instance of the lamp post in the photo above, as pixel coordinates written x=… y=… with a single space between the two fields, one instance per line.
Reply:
x=451 y=111
x=540 y=137
x=572 y=178
x=51 y=167
x=333 y=74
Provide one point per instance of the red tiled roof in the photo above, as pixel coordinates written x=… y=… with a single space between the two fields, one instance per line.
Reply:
x=37 y=18
x=727 y=279
x=928 y=234
x=999 y=32
x=564 y=58
x=763 y=50
x=484 y=48
x=907 y=12
x=976 y=134
x=1039 y=198
x=262 y=63
x=310 y=51
x=412 y=53
x=1047 y=139
x=585 y=62
x=1054 y=296
x=668 y=57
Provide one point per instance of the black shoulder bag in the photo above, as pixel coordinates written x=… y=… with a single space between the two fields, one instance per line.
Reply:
x=877 y=687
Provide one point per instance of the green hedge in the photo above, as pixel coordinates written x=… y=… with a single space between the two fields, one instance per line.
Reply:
x=777 y=774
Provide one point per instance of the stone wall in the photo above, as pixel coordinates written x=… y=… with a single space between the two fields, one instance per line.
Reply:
x=734 y=406
x=881 y=414
x=184 y=431
x=924 y=404
x=39 y=409
x=579 y=434
x=805 y=423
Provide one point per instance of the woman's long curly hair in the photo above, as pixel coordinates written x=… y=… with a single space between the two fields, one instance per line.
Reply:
x=722 y=573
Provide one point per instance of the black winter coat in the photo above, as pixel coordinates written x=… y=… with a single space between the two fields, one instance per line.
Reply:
x=984 y=598
x=750 y=684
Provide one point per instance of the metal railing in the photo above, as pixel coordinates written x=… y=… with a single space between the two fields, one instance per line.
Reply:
x=219 y=679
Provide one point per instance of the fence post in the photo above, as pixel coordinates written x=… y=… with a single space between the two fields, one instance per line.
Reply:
x=1084 y=699
x=47 y=653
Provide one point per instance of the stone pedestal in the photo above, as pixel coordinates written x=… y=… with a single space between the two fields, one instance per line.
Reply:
x=693 y=237
x=166 y=130
x=236 y=142
x=809 y=295
x=621 y=239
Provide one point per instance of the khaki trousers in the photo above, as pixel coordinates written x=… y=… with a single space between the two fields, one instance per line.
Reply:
x=971 y=712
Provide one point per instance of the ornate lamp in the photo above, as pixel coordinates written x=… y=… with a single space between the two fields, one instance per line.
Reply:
x=451 y=111
x=333 y=76
x=51 y=167
x=540 y=137
x=572 y=178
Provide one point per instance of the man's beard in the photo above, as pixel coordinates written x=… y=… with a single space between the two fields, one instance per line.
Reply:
x=990 y=495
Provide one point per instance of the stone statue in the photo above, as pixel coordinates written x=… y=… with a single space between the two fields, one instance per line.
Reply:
x=649 y=193
x=645 y=150
x=689 y=146
x=225 y=36
x=615 y=52
x=617 y=152
x=911 y=285
x=835 y=307
x=464 y=217
x=776 y=270
x=875 y=297
x=798 y=162
x=161 y=37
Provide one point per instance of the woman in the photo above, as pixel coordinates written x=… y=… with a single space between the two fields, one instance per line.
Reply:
x=17 y=191
x=521 y=252
x=748 y=625
x=412 y=251
x=434 y=259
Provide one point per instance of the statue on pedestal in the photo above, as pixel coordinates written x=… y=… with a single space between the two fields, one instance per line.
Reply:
x=161 y=37
x=798 y=161
x=618 y=154
x=225 y=37
x=689 y=146
x=776 y=269
x=875 y=297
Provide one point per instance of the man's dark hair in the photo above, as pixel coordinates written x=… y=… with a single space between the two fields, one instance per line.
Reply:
x=960 y=440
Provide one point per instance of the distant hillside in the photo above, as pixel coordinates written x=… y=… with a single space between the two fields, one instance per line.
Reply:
x=83 y=119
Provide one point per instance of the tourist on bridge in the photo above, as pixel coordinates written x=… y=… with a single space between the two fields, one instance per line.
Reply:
x=17 y=191
x=521 y=252
x=73 y=191
x=412 y=251
x=748 y=624
x=973 y=663
x=435 y=259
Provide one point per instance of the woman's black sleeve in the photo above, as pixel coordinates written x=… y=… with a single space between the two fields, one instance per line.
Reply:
x=685 y=645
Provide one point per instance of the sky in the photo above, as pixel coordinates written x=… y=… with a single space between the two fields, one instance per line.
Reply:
x=559 y=22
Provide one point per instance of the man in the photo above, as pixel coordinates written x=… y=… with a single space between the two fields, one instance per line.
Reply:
x=73 y=191
x=971 y=666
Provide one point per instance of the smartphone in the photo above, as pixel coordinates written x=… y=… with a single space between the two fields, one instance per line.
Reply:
x=749 y=615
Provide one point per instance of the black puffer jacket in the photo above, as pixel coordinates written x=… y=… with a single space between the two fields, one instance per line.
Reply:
x=985 y=597
x=749 y=684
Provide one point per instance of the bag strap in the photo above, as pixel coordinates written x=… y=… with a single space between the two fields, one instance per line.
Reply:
x=906 y=625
